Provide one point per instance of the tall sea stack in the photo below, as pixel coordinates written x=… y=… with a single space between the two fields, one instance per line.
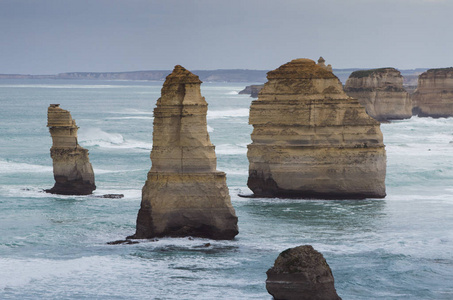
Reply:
x=72 y=169
x=381 y=92
x=434 y=94
x=184 y=194
x=311 y=140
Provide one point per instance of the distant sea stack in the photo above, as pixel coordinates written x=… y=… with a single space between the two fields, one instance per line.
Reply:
x=434 y=94
x=72 y=169
x=301 y=273
x=184 y=194
x=311 y=140
x=252 y=90
x=381 y=92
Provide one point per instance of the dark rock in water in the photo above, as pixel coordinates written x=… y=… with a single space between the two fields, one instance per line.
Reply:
x=252 y=90
x=112 y=196
x=184 y=194
x=72 y=169
x=121 y=242
x=301 y=273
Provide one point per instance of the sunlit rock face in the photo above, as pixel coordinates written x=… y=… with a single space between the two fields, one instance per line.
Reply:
x=434 y=94
x=311 y=140
x=381 y=92
x=72 y=169
x=184 y=194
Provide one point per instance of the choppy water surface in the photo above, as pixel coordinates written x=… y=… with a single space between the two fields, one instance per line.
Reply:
x=52 y=246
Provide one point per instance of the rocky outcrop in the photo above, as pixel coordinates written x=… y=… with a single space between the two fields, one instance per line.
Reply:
x=434 y=94
x=72 y=169
x=184 y=194
x=301 y=273
x=381 y=92
x=311 y=140
x=252 y=90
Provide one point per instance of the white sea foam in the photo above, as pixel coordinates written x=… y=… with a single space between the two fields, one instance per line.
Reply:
x=8 y=167
x=230 y=113
x=130 y=118
x=133 y=111
x=231 y=149
x=210 y=129
x=233 y=93
x=90 y=137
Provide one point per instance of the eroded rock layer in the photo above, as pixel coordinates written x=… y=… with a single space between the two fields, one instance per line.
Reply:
x=184 y=194
x=381 y=92
x=434 y=94
x=311 y=140
x=72 y=169
x=301 y=273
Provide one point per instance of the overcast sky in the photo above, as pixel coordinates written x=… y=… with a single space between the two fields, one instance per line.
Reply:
x=53 y=36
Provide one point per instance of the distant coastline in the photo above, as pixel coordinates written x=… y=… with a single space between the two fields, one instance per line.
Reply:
x=221 y=75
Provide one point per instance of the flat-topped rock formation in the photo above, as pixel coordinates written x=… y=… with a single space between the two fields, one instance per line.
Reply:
x=72 y=169
x=434 y=94
x=301 y=273
x=311 y=140
x=252 y=90
x=184 y=194
x=381 y=92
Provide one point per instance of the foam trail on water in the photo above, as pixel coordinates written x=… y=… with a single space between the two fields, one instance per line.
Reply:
x=8 y=167
x=89 y=137
x=230 y=149
x=217 y=114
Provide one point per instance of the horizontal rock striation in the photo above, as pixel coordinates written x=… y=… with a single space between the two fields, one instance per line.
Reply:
x=434 y=94
x=72 y=169
x=310 y=140
x=381 y=92
x=184 y=194
x=301 y=273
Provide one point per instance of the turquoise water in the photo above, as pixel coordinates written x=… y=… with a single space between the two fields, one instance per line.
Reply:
x=54 y=247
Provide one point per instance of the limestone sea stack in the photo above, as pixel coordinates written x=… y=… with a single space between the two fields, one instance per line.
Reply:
x=434 y=94
x=311 y=140
x=72 y=169
x=184 y=194
x=301 y=273
x=381 y=92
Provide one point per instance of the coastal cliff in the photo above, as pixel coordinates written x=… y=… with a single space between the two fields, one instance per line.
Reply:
x=72 y=169
x=381 y=92
x=434 y=94
x=311 y=140
x=184 y=194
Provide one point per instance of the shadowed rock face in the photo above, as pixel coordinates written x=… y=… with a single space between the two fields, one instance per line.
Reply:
x=301 y=273
x=184 y=194
x=72 y=169
x=311 y=140
x=381 y=92
x=434 y=94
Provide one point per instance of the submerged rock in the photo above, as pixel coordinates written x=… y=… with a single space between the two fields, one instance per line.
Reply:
x=184 y=194
x=301 y=273
x=434 y=94
x=311 y=140
x=72 y=169
x=381 y=92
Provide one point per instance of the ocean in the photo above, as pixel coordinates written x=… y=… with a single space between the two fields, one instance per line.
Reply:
x=55 y=247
